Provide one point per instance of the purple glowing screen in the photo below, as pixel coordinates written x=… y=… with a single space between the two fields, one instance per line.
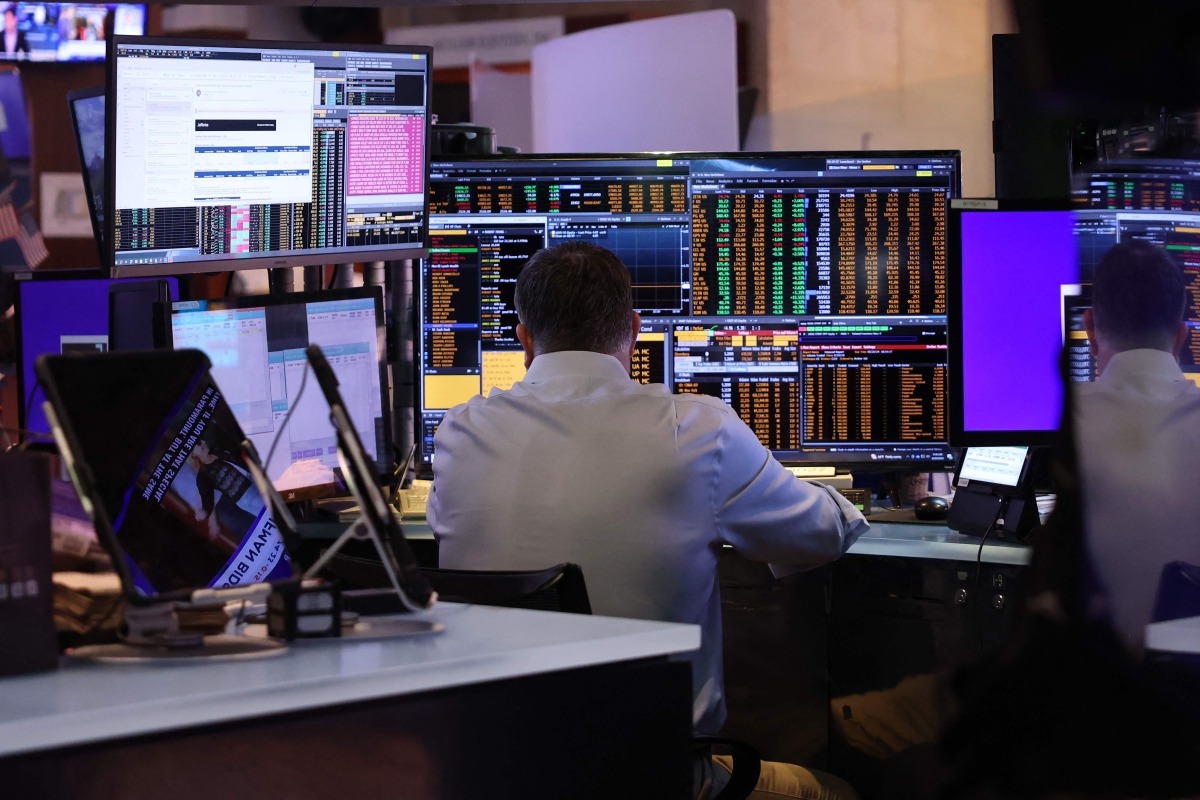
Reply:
x=1014 y=264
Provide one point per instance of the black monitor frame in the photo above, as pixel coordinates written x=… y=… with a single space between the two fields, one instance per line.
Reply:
x=566 y=160
x=266 y=259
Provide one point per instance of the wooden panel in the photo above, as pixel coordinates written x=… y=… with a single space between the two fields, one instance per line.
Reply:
x=54 y=149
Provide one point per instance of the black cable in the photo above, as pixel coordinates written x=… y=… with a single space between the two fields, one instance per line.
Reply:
x=37 y=384
x=978 y=579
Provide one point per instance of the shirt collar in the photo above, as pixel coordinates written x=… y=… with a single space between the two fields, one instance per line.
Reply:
x=576 y=363
x=1138 y=365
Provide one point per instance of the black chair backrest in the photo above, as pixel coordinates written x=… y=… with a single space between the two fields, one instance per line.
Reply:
x=557 y=588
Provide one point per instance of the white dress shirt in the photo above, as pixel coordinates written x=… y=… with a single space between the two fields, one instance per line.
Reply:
x=1138 y=436
x=640 y=487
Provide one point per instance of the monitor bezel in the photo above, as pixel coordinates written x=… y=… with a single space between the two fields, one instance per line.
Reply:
x=266 y=261
x=303 y=298
x=957 y=431
x=854 y=462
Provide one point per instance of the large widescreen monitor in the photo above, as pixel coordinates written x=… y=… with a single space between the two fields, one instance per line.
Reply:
x=807 y=290
x=227 y=155
x=1019 y=285
x=257 y=349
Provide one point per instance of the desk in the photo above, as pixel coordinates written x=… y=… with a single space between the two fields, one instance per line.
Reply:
x=908 y=603
x=906 y=540
x=935 y=541
x=1174 y=636
x=504 y=703
x=901 y=608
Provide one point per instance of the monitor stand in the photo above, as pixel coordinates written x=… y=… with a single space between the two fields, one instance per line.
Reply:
x=153 y=635
x=360 y=529
x=281 y=280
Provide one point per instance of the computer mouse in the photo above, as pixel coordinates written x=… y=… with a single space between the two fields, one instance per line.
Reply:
x=931 y=508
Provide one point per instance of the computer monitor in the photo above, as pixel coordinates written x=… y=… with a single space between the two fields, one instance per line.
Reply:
x=1018 y=287
x=231 y=154
x=159 y=469
x=57 y=311
x=71 y=31
x=257 y=348
x=807 y=290
x=87 y=117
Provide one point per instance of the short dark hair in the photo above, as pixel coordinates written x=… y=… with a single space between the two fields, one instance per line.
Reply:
x=576 y=296
x=1138 y=295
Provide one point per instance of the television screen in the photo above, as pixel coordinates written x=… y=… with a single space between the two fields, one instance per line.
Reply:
x=67 y=31
x=806 y=290
x=236 y=155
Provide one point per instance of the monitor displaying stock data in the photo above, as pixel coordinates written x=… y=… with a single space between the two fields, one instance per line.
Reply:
x=806 y=290
x=242 y=155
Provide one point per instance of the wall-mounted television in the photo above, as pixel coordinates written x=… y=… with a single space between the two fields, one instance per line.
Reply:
x=67 y=31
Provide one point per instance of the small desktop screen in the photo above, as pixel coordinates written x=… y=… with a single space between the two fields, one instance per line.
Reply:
x=67 y=31
x=256 y=346
x=806 y=290
x=240 y=155
x=1001 y=465
x=63 y=311
x=1019 y=289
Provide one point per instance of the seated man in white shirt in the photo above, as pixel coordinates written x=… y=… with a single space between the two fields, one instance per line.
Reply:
x=1138 y=434
x=578 y=462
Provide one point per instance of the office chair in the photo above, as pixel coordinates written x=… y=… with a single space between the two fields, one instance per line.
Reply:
x=557 y=588
x=562 y=588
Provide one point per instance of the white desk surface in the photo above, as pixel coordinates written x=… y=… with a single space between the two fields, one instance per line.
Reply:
x=85 y=702
x=1174 y=636
x=902 y=539
x=935 y=540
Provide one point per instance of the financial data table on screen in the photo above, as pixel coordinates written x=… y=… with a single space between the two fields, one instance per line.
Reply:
x=807 y=291
x=264 y=154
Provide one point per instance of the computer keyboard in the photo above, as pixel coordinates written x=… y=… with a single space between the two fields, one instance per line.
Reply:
x=411 y=502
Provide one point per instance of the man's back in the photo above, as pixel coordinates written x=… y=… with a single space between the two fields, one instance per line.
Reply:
x=638 y=486
x=1138 y=431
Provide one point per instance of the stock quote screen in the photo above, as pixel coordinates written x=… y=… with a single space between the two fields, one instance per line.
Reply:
x=1149 y=198
x=807 y=290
